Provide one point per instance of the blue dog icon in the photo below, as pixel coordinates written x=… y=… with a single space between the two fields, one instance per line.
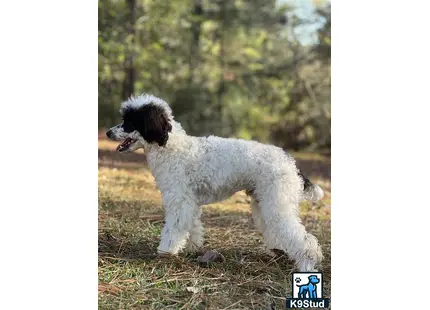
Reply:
x=309 y=289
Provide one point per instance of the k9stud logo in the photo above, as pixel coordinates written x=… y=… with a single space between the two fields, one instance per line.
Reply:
x=307 y=291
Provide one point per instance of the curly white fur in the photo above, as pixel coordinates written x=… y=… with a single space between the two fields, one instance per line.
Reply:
x=194 y=171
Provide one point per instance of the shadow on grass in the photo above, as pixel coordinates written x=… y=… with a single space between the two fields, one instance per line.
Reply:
x=237 y=258
x=233 y=233
x=113 y=247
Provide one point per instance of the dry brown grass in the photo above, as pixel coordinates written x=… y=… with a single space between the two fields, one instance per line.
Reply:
x=131 y=276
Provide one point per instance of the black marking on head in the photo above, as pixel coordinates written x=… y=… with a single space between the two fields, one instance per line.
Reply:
x=128 y=126
x=150 y=120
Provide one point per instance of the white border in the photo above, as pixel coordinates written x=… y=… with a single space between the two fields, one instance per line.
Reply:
x=48 y=160
x=48 y=97
x=380 y=162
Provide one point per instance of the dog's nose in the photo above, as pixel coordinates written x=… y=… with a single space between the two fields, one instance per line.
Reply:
x=109 y=134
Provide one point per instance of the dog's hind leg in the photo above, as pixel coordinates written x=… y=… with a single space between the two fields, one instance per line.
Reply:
x=256 y=215
x=289 y=235
x=284 y=230
x=259 y=222
x=196 y=239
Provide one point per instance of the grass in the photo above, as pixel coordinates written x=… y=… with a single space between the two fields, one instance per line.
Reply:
x=132 y=276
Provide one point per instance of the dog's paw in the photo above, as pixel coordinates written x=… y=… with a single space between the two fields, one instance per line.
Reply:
x=164 y=254
x=307 y=265
x=191 y=248
x=275 y=252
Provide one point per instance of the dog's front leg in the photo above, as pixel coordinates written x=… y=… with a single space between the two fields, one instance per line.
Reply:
x=179 y=220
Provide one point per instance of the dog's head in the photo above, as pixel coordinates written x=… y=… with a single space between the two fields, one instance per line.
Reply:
x=313 y=279
x=146 y=119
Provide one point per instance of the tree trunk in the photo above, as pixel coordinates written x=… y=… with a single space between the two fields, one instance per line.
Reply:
x=221 y=85
x=195 y=40
x=129 y=66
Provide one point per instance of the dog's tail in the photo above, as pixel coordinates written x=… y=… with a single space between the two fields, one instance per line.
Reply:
x=311 y=191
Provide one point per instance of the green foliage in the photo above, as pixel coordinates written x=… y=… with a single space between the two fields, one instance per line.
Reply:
x=227 y=67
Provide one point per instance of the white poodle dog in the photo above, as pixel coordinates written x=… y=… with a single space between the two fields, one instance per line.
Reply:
x=194 y=171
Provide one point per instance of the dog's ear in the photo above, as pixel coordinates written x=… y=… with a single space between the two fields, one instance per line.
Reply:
x=153 y=124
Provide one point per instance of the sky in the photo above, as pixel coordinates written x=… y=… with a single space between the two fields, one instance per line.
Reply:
x=305 y=9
